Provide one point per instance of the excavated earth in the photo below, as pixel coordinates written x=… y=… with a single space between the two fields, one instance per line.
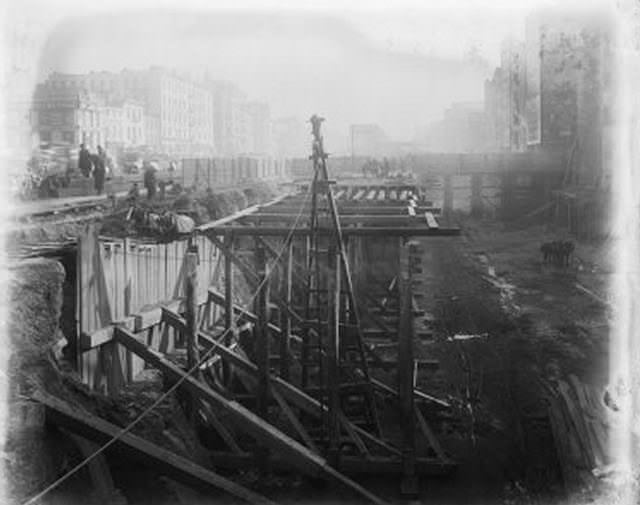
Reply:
x=498 y=320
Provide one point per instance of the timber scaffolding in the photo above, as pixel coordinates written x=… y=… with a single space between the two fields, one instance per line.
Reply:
x=292 y=379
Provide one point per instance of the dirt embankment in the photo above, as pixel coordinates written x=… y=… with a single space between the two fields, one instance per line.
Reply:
x=199 y=204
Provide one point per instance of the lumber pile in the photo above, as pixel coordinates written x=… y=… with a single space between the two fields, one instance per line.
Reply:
x=580 y=429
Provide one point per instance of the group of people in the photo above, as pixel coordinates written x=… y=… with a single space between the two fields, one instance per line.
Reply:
x=557 y=252
x=93 y=164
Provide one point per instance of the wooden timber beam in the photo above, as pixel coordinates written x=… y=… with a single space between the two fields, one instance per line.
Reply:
x=375 y=465
x=87 y=425
x=367 y=231
x=345 y=220
x=233 y=217
x=295 y=396
x=348 y=211
x=261 y=340
x=380 y=386
x=251 y=274
x=292 y=451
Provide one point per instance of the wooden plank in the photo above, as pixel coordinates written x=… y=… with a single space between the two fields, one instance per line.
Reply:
x=174 y=466
x=376 y=465
x=372 y=231
x=251 y=275
x=191 y=311
x=375 y=209
x=220 y=428
x=578 y=423
x=237 y=215
x=400 y=219
x=333 y=283
x=262 y=348
x=304 y=459
x=101 y=480
x=431 y=221
x=292 y=394
x=405 y=365
x=285 y=318
x=295 y=422
x=430 y=436
x=243 y=419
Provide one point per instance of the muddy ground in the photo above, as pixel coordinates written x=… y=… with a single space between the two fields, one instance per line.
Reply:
x=504 y=322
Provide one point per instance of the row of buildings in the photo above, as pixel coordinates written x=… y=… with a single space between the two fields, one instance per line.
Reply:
x=551 y=91
x=158 y=110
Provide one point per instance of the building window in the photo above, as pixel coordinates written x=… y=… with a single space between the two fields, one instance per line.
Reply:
x=45 y=136
x=68 y=137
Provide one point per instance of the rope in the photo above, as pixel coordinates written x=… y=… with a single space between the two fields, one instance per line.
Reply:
x=148 y=410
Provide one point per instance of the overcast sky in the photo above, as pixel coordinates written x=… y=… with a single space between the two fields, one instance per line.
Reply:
x=396 y=66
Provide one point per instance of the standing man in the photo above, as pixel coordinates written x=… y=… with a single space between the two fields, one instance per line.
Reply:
x=99 y=170
x=150 y=179
x=84 y=161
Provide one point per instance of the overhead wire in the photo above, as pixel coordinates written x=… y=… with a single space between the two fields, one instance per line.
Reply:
x=175 y=386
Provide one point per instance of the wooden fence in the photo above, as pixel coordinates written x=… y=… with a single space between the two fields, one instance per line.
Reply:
x=126 y=281
x=229 y=171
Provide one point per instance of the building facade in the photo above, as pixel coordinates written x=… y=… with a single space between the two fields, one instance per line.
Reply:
x=66 y=115
x=368 y=140
x=504 y=100
x=259 y=125
x=230 y=127
x=178 y=115
x=291 y=138
x=464 y=128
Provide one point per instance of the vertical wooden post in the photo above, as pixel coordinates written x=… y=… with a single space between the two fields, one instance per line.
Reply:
x=507 y=185
x=229 y=321
x=261 y=343
x=191 y=313
x=409 y=485
x=447 y=203
x=476 y=195
x=333 y=353
x=285 y=318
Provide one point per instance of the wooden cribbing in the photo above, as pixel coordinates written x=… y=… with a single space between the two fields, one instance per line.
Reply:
x=176 y=467
x=243 y=419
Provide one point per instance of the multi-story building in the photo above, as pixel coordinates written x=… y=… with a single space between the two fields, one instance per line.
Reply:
x=178 y=112
x=67 y=112
x=556 y=52
x=230 y=126
x=123 y=123
x=368 y=140
x=504 y=101
x=201 y=133
x=464 y=128
x=259 y=124
x=291 y=138
x=569 y=85
x=67 y=115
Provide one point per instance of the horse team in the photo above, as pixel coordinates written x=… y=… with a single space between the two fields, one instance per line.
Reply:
x=557 y=252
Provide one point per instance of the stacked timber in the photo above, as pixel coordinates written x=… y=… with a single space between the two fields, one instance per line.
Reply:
x=580 y=429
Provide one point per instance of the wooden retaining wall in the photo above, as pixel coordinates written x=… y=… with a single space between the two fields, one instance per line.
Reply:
x=126 y=281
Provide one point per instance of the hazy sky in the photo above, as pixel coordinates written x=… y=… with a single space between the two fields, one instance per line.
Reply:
x=399 y=67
